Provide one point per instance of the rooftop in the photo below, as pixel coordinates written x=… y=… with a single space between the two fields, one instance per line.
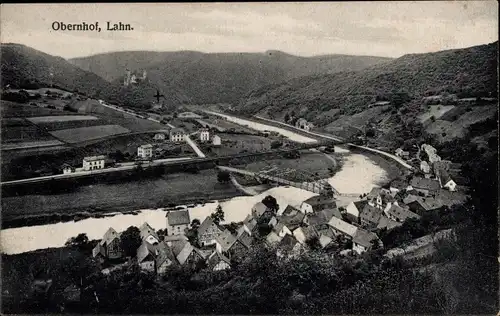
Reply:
x=109 y=236
x=321 y=201
x=423 y=183
x=180 y=217
x=217 y=257
x=323 y=217
x=387 y=223
x=146 y=146
x=428 y=203
x=177 y=131
x=342 y=226
x=364 y=237
x=207 y=222
x=94 y=158
x=401 y=213
x=225 y=239
x=371 y=214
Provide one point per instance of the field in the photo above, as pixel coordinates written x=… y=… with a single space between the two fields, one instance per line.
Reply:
x=26 y=145
x=129 y=121
x=61 y=118
x=19 y=132
x=435 y=110
x=18 y=110
x=82 y=134
x=235 y=144
x=314 y=164
x=151 y=193
x=457 y=124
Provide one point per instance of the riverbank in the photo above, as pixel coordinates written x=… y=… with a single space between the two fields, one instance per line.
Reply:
x=97 y=200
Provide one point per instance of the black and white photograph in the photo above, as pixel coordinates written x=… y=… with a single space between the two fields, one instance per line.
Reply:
x=232 y=158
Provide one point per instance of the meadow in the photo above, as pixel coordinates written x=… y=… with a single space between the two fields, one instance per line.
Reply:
x=82 y=134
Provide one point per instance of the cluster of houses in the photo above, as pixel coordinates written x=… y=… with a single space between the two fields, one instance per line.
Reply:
x=177 y=135
x=433 y=168
x=352 y=229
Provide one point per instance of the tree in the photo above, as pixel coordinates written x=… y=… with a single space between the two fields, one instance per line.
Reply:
x=79 y=241
x=223 y=176
x=195 y=223
x=276 y=144
x=287 y=118
x=218 y=215
x=313 y=243
x=130 y=240
x=270 y=202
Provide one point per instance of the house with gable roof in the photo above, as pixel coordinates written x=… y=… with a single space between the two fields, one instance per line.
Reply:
x=281 y=230
x=187 y=254
x=387 y=223
x=302 y=234
x=421 y=205
x=370 y=216
x=425 y=186
x=341 y=227
x=322 y=217
x=250 y=225
x=272 y=239
x=317 y=203
x=363 y=240
x=146 y=256
x=398 y=213
x=354 y=209
x=224 y=241
x=177 y=222
x=164 y=258
x=288 y=247
x=445 y=181
x=109 y=247
x=148 y=234
x=217 y=262
x=207 y=232
x=259 y=209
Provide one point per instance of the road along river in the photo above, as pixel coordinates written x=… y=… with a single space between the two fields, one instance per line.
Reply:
x=359 y=174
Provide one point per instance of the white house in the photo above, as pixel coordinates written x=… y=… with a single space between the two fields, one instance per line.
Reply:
x=446 y=181
x=362 y=240
x=148 y=234
x=93 y=162
x=216 y=141
x=317 y=203
x=159 y=137
x=177 y=135
x=67 y=169
x=177 y=222
x=353 y=210
x=204 y=135
x=401 y=153
x=281 y=230
x=303 y=124
x=145 y=151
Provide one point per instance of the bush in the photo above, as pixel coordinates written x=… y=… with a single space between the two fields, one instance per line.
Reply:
x=223 y=176
x=276 y=144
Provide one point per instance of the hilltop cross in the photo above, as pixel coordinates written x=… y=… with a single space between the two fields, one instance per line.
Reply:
x=158 y=95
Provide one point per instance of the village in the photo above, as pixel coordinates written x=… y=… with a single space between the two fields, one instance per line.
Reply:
x=318 y=223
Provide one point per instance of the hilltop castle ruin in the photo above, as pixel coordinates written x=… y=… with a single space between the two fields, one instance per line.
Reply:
x=133 y=78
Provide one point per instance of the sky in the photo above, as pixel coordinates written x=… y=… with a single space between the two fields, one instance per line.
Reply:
x=389 y=29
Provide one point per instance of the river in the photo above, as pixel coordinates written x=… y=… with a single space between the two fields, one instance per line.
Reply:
x=358 y=175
